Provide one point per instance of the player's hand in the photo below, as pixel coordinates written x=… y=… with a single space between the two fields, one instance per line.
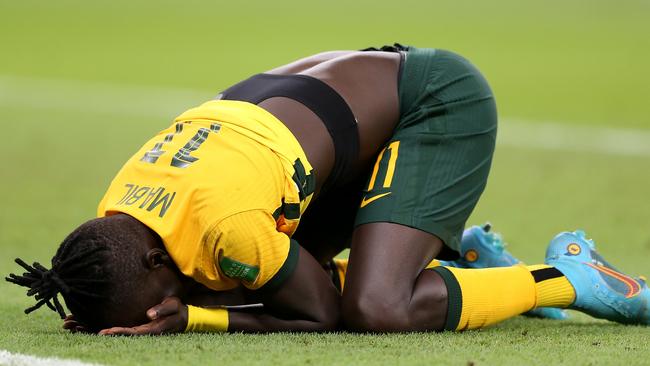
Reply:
x=170 y=316
x=73 y=325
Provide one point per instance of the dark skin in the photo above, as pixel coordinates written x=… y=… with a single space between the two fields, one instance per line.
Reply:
x=387 y=288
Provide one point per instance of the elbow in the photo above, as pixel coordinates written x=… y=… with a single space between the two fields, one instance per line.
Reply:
x=325 y=312
x=329 y=323
x=327 y=317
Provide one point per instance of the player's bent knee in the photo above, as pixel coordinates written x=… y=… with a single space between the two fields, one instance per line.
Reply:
x=386 y=310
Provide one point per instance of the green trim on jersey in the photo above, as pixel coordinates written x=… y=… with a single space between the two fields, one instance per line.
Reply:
x=286 y=270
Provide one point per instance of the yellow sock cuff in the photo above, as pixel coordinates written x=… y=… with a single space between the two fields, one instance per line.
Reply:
x=481 y=297
x=553 y=288
x=206 y=320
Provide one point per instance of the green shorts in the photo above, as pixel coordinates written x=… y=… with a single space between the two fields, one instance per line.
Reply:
x=434 y=168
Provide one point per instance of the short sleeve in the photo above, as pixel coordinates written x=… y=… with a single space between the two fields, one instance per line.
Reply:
x=251 y=250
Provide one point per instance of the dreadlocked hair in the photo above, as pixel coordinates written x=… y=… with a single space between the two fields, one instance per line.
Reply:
x=91 y=270
x=45 y=284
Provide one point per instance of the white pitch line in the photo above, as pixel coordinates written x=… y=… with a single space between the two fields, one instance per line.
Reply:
x=579 y=138
x=160 y=102
x=16 y=359
x=98 y=97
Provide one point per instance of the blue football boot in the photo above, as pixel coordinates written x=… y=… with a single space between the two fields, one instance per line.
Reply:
x=602 y=291
x=482 y=248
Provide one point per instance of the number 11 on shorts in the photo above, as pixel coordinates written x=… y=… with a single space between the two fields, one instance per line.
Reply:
x=393 y=151
x=380 y=187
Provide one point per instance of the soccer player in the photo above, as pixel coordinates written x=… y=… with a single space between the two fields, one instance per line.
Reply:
x=393 y=146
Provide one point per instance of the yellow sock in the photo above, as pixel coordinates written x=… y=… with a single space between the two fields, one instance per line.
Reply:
x=553 y=289
x=481 y=297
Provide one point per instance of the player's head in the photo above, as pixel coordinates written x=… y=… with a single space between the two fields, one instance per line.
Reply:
x=109 y=272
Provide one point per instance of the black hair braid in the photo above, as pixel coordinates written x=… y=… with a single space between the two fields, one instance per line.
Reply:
x=68 y=276
x=43 y=284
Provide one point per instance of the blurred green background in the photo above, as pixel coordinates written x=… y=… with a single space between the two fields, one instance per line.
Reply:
x=84 y=84
x=583 y=61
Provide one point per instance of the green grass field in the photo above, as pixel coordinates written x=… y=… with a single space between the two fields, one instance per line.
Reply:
x=84 y=84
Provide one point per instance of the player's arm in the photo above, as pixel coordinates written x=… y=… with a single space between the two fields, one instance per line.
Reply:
x=306 y=301
x=297 y=293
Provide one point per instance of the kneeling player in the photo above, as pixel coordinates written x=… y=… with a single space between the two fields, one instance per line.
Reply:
x=394 y=148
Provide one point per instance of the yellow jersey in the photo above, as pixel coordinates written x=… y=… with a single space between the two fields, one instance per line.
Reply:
x=224 y=187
